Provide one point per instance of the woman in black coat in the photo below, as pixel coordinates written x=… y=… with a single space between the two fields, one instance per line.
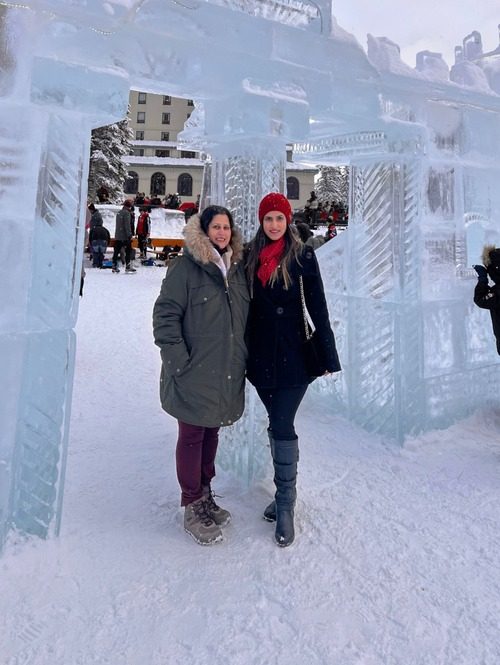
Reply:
x=277 y=262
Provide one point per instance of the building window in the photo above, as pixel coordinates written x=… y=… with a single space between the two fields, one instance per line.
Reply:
x=131 y=185
x=139 y=135
x=141 y=117
x=185 y=184
x=190 y=102
x=165 y=118
x=162 y=153
x=165 y=136
x=137 y=152
x=141 y=97
x=158 y=184
x=292 y=188
x=167 y=100
x=188 y=154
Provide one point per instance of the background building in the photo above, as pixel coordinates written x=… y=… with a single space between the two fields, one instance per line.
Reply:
x=156 y=165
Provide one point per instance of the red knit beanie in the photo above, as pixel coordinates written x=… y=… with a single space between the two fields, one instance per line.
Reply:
x=275 y=201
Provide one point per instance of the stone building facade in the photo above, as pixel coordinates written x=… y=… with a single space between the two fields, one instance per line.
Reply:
x=159 y=166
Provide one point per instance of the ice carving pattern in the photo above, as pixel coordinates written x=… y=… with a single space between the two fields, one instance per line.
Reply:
x=376 y=325
x=242 y=181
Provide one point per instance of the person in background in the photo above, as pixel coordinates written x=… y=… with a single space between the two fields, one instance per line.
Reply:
x=103 y=194
x=199 y=323
x=99 y=238
x=88 y=216
x=123 y=237
x=308 y=237
x=331 y=231
x=143 y=231
x=276 y=264
x=312 y=210
x=304 y=231
x=96 y=217
x=486 y=296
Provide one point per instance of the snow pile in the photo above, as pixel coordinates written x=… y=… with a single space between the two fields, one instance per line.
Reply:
x=395 y=562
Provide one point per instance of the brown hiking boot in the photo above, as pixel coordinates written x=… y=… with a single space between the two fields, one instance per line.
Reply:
x=220 y=516
x=199 y=524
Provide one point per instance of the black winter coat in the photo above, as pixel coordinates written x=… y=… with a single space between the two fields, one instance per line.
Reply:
x=488 y=297
x=99 y=232
x=276 y=332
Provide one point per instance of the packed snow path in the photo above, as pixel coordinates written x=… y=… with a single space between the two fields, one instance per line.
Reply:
x=395 y=561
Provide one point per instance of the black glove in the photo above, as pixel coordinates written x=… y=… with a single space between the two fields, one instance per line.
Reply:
x=482 y=275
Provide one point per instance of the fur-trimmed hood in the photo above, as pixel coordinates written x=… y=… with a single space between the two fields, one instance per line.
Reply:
x=200 y=247
x=486 y=254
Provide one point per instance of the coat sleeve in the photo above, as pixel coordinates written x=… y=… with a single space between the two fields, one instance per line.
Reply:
x=314 y=295
x=168 y=316
x=487 y=297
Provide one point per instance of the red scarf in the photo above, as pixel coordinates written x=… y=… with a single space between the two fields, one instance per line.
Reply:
x=269 y=259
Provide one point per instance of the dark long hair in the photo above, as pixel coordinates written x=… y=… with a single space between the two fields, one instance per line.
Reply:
x=293 y=248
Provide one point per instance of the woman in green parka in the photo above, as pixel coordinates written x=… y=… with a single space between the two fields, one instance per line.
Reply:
x=199 y=324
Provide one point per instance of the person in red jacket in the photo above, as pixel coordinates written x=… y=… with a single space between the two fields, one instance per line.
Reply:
x=143 y=231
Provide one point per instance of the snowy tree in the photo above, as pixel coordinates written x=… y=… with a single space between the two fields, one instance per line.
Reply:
x=333 y=184
x=108 y=145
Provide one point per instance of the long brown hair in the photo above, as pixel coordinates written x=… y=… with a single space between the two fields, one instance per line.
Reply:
x=293 y=248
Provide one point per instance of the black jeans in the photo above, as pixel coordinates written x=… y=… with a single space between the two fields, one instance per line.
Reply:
x=281 y=406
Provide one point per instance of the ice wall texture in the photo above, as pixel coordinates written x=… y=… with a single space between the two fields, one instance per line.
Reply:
x=44 y=152
x=417 y=353
x=424 y=156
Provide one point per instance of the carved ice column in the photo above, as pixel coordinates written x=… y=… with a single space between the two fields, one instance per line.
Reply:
x=385 y=344
x=372 y=282
x=241 y=176
x=44 y=151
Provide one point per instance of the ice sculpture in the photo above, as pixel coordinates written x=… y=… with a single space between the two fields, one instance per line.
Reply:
x=424 y=199
x=424 y=164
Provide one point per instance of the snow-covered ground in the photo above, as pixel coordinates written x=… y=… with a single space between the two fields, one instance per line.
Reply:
x=395 y=561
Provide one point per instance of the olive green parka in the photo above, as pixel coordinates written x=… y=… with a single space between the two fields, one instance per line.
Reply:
x=199 y=324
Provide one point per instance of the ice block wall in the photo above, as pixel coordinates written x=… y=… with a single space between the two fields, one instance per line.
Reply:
x=45 y=125
x=417 y=352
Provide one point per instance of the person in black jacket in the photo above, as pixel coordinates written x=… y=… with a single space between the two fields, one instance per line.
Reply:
x=99 y=238
x=486 y=296
x=277 y=262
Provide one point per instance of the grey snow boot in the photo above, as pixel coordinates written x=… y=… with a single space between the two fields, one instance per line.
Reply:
x=220 y=516
x=199 y=524
x=285 y=458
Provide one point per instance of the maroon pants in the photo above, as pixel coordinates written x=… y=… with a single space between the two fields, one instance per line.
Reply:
x=195 y=458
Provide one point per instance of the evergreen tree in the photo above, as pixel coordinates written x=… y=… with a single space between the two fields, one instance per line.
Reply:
x=108 y=145
x=333 y=184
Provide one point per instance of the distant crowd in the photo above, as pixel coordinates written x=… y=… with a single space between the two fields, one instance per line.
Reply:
x=316 y=212
x=143 y=202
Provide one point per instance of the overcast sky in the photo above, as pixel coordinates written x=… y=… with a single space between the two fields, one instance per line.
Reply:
x=417 y=25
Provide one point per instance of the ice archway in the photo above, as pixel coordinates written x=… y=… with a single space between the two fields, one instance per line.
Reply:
x=424 y=156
